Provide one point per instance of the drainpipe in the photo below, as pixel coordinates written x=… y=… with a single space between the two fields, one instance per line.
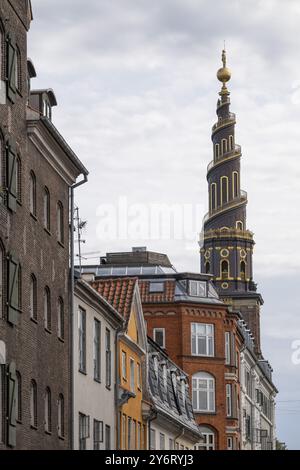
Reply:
x=72 y=287
x=181 y=434
x=117 y=381
x=152 y=417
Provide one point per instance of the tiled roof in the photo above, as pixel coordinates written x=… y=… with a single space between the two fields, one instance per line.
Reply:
x=118 y=292
x=166 y=296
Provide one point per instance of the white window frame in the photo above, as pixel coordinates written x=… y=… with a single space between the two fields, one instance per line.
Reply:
x=163 y=331
x=198 y=286
x=204 y=382
x=132 y=374
x=162 y=441
x=230 y=443
x=228 y=400
x=209 y=339
x=227 y=347
x=152 y=439
x=209 y=439
x=124 y=365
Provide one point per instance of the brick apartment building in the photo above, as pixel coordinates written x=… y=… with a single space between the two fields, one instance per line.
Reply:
x=185 y=316
x=37 y=169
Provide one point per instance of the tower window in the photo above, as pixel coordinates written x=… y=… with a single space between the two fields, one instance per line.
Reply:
x=213 y=195
x=217 y=151
x=243 y=270
x=240 y=225
x=224 y=146
x=231 y=142
x=224 y=190
x=225 y=269
x=235 y=184
x=207 y=267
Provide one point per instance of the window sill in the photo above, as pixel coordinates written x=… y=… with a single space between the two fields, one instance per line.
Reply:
x=60 y=244
x=33 y=427
x=108 y=387
x=48 y=331
x=49 y=433
x=61 y=340
x=83 y=372
x=210 y=413
x=34 y=320
x=204 y=355
x=61 y=438
x=98 y=381
x=47 y=231
x=19 y=203
x=33 y=216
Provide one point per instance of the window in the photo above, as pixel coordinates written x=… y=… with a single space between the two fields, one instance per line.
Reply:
x=124 y=441
x=46 y=209
x=33 y=404
x=124 y=365
x=32 y=193
x=47 y=410
x=248 y=427
x=19 y=178
x=224 y=146
x=61 y=416
x=248 y=383
x=129 y=433
x=107 y=438
x=139 y=436
x=208 y=442
x=235 y=184
x=227 y=347
x=97 y=350
x=132 y=378
x=98 y=434
x=159 y=336
x=152 y=439
x=162 y=441
x=47 y=309
x=139 y=376
x=224 y=270
x=243 y=270
x=240 y=225
x=84 y=430
x=183 y=390
x=18 y=396
x=229 y=443
x=18 y=72
x=213 y=197
x=60 y=222
x=60 y=319
x=171 y=444
x=107 y=359
x=203 y=392
x=1 y=279
x=202 y=339
x=156 y=287
x=33 y=298
x=217 y=151
x=224 y=190
x=231 y=143
x=228 y=400
x=207 y=267
x=197 y=288
x=165 y=377
x=82 y=340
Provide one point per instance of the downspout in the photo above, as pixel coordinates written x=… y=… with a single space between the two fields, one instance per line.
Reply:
x=117 y=377
x=72 y=288
x=152 y=417
x=181 y=434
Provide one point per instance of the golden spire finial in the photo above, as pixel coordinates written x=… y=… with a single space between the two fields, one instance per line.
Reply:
x=224 y=73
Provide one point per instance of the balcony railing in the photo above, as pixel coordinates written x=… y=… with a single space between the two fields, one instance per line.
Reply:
x=233 y=202
x=231 y=153
x=224 y=233
x=222 y=121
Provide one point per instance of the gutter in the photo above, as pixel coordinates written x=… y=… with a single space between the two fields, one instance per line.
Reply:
x=117 y=365
x=181 y=434
x=71 y=323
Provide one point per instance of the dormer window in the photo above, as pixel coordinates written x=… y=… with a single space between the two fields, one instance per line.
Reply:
x=43 y=101
x=47 y=109
x=197 y=288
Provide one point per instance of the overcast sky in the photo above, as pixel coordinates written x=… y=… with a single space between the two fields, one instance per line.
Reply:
x=136 y=87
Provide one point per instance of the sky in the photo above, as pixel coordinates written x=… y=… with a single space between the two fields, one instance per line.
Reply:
x=136 y=87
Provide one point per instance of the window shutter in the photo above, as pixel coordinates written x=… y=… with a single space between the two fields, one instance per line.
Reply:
x=12 y=409
x=11 y=67
x=12 y=190
x=13 y=291
x=233 y=351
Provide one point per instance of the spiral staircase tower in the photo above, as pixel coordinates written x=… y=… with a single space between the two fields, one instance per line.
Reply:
x=226 y=244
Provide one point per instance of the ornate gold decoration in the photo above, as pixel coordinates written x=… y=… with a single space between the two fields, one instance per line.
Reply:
x=224 y=253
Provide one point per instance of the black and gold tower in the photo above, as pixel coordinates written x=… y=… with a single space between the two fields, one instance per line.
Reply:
x=226 y=243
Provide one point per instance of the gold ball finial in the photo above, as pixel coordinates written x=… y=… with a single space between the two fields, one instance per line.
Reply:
x=224 y=74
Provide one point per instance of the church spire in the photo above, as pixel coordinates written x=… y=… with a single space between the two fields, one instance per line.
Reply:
x=226 y=243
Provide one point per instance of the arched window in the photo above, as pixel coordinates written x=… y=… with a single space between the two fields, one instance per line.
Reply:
x=224 y=146
x=213 y=196
x=231 y=142
x=46 y=208
x=235 y=184
x=19 y=178
x=217 y=151
x=239 y=225
x=33 y=404
x=209 y=439
x=60 y=319
x=33 y=297
x=32 y=193
x=224 y=190
x=243 y=270
x=47 y=409
x=18 y=396
x=207 y=267
x=47 y=309
x=224 y=269
x=203 y=385
x=60 y=222
x=61 y=416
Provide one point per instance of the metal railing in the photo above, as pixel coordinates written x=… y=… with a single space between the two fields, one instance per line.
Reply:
x=231 y=153
x=242 y=198
x=222 y=121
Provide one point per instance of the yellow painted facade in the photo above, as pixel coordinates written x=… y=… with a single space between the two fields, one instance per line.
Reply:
x=132 y=427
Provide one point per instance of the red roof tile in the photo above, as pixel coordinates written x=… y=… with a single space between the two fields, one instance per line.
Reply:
x=118 y=292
